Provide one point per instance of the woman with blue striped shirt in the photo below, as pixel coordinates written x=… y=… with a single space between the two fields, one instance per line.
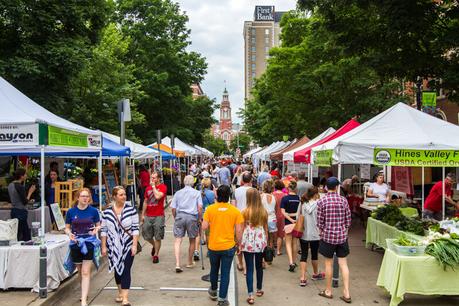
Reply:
x=119 y=235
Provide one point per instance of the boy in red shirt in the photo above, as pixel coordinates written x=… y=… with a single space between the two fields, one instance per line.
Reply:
x=152 y=219
x=433 y=207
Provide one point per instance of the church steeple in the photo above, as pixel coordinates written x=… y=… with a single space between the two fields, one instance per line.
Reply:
x=226 y=124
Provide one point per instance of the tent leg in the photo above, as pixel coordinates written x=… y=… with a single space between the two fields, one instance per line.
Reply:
x=422 y=189
x=99 y=174
x=339 y=176
x=43 y=284
x=309 y=173
x=443 y=193
x=134 y=189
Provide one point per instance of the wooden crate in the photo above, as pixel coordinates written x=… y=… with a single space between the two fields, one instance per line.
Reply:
x=65 y=193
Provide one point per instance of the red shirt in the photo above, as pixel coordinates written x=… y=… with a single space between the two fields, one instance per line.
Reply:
x=155 y=208
x=144 y=178
x=275 y=173
x=434 y=199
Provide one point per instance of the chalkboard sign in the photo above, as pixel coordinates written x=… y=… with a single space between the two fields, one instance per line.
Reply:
x=110 y=181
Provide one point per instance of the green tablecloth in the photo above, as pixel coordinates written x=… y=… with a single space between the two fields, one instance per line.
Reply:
x=415 y=274
x=378 y=232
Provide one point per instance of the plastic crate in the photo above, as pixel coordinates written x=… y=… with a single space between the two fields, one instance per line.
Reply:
x=405 y=250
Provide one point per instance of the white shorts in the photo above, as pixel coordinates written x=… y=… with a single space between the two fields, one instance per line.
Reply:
x=272 y=226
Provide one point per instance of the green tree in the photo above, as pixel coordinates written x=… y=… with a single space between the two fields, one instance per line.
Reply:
x=215 y=145
x=244 y=140
x=44 y=45
x=165 y=68
x=104 y=81
x=398 y=39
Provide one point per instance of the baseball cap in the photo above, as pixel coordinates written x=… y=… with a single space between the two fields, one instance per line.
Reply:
x=332 y=182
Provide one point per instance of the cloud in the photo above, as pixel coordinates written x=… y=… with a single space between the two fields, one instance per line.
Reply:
x=216 y=32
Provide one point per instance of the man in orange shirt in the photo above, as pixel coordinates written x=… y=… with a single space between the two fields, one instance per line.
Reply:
x=225 y=222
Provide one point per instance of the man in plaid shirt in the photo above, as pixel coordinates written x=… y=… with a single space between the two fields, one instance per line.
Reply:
x=333 y=221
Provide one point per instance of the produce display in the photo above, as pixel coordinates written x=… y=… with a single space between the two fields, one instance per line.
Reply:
x=443 y=243
x=403 y=241
x=393 y=216
x=388 y=214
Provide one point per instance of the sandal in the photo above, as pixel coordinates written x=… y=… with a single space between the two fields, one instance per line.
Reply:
x=178 y=270
x=260 y=293
x=345 y=299
x=119 y=299
x=325 y=295
x=303 y=282
x=126 y=304
x=250 y=300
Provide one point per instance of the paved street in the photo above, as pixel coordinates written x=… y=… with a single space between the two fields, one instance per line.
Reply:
x=281 y=287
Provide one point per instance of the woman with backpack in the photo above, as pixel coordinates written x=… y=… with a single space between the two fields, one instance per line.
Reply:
x=310 y=238
x=254 y=241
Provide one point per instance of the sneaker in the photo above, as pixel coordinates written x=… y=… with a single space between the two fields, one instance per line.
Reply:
x=155 y=259
x=212 y=294
x=223 y=303
x=291 y=268
x=318 y=276
x=196 y=256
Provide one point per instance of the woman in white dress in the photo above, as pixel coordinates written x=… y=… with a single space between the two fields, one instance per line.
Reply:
x=379 y=189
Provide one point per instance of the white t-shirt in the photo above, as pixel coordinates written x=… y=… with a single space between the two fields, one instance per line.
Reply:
x=269 y=206
x=241 y=197
x=380 y=190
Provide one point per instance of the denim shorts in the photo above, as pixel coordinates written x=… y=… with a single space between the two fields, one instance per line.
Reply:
x=272 y=226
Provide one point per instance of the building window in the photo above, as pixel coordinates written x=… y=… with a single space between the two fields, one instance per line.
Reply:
x=267 y=49
x=253 y=66
x=253 y=75
x=253 y=49
x=253 y=40
x=267 y=40
x=266 y=31
x=254 y=31
x=254 y=58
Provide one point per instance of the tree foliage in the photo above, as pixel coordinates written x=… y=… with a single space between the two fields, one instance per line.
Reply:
x=78 y=58
x=244 y=141
x=311 y=83
x=215 y=145
x=398 y=39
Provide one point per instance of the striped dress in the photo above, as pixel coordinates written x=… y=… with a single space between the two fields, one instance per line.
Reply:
x=118 y=242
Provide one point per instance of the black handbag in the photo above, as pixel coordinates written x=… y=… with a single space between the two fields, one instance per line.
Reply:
x=139 y=246
x=268 y=254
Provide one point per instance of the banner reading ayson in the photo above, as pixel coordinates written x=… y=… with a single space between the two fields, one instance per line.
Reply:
x=416 y=158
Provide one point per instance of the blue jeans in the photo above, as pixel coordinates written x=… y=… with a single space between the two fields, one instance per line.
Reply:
x=221 y=260
x=250 y=259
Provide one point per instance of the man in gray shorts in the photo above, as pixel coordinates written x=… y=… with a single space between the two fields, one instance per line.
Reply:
x=186 y=209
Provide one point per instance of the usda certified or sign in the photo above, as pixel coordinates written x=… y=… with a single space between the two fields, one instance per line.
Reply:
x=18 y=134
x=323 y=158
x=416 y=158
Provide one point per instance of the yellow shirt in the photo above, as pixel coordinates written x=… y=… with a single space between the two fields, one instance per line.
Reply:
x=222 y=218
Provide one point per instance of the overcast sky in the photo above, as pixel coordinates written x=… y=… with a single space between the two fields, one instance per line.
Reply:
x=216 y=32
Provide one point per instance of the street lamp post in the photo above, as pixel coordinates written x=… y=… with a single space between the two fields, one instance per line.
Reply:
x=419 y=93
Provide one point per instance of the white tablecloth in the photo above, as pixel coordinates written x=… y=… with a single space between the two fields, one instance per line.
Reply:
x=19 y=264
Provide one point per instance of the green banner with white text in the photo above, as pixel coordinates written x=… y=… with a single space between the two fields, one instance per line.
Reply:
x=323 y=158
x=416 y=158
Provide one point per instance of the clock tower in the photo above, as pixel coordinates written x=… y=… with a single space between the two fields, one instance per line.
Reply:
x=226 y=125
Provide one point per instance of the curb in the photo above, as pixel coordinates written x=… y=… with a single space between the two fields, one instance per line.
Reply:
x=68 y=287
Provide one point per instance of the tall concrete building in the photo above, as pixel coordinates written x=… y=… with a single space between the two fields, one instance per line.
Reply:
x=260 y=35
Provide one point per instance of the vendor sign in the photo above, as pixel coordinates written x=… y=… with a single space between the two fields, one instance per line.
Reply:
x=416 y=158
x=323 y=158
x=18 y=134
x=67 y=138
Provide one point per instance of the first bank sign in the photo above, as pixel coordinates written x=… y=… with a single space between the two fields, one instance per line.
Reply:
x=264 y=13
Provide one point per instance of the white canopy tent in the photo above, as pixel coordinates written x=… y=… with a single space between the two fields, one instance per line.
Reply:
x=204 y=151
x=254 y=150
x=265 y=156
x=399 y=127
x=138 y=151
x=256 y=157
x=399 y=136
x=179 y=145
x=288 y=156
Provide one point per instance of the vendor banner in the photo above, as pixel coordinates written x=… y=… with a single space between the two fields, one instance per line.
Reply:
x=19 y=135
x=323 y=158
x=416 y=158
x=66 y=138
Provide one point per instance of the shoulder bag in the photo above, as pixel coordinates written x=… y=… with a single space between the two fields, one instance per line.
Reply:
x=298 y=229
x=139 y=246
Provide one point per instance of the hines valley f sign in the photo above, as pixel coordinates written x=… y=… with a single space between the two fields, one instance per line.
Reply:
x=18 y=134
x=264 y=13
